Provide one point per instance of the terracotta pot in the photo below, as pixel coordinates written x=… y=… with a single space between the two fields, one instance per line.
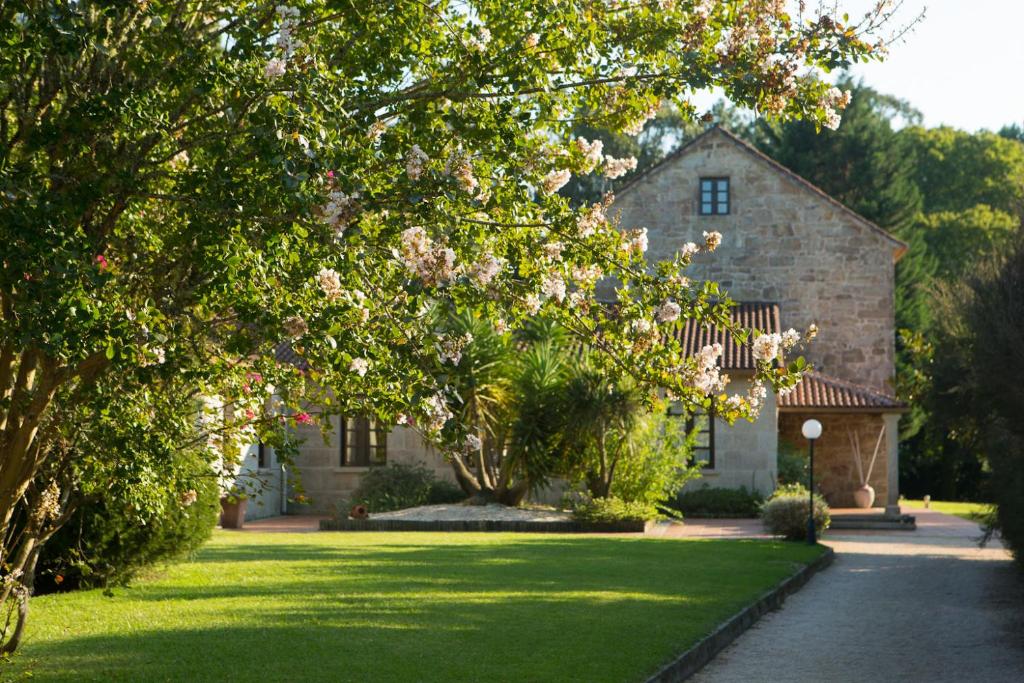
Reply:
x=864 y=497
x=232 y=514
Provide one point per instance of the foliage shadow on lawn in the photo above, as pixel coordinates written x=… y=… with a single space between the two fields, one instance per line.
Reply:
x=539 y=609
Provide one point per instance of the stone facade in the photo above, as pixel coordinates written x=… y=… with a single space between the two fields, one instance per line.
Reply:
x=782 y=242
x=835 y=471
x=745 y=452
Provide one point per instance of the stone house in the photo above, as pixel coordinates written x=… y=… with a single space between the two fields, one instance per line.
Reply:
x=792 y=256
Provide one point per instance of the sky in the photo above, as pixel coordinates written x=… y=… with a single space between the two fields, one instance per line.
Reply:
x=962 y=65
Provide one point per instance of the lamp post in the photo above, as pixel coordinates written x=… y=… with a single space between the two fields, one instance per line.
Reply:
x=811 y=430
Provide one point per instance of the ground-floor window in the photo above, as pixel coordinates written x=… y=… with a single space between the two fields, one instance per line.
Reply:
x=702 y=424
x=363 y=441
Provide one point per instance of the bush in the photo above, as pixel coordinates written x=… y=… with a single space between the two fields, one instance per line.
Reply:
x=443 y=491
x=107 y=541
x=614 y=510
x=400 y=486
x=792 y=464
x=655 y=464
x=718 y=502
x=786 y=515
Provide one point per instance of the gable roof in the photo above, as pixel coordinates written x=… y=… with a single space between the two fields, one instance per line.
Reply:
x=818 y=392
x=899 y=246
x=761 y=315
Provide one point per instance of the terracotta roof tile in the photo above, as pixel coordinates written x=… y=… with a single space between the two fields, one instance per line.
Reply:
x=284 y=353
x=760 y=315
x=821 y=392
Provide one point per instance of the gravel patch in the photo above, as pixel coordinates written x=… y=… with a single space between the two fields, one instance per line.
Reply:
x=475 y=513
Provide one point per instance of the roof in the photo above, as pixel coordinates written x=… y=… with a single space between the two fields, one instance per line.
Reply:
x=285 y=353
x=818 y=392
x=760 y=315
x=900 y=247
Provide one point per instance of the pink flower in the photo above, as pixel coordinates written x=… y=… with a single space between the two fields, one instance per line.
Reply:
x=330 y=174
x=249 y=414
x=303 y=418
x=101 y=262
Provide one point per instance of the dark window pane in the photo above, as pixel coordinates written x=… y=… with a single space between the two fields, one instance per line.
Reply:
x=707 y=185
x=705 y=208
x=705 y=196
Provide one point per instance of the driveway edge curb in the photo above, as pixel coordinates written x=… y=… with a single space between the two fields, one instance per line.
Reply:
x=694 y=659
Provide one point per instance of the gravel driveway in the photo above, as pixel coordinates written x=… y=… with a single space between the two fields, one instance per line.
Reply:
x=927 y=605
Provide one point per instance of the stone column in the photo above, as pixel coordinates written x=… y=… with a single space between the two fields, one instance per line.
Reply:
x=892 y=444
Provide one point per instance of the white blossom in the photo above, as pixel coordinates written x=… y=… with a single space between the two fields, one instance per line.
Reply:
x=555 y=181
x=330 y=283
x=359 y=366
x=295 y=326
x=415 y=162
x=712 y=240
x=591 y=152
x=637 y=240
x=340 y=210
x=553 y=286
x=689 y=249
x=437 y=413
x=472 y=443
x=616 y=168
x=532 y=303
x=452 y=346
x=553 y=250
x=532 y=40
x=812 y=332
x=188 y=498
x=766 y=346
x=790 y=338
x=479 y=42
x=485 y=269
x=275 y=68
x=668 y=312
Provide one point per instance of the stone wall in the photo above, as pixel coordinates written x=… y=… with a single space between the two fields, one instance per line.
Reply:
x=327 y=483
x=782 y=243
x=745 y=452
x=835 y=472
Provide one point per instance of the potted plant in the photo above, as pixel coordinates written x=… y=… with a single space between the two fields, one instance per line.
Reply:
x=864 y=497
x=232 y=509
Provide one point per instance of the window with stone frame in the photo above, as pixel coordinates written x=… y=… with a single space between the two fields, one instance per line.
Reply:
x=364 y=442
x=702 y=426
x=714 y=196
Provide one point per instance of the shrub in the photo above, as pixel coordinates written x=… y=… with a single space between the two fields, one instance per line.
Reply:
x=718 y=502
x=614 y=510
x=786 y=515
x=399 y=486
x=655 y=462
x=107 y=541
x=443 y=491
x=792 y=464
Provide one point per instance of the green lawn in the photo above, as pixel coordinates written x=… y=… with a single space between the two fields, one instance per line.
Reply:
x=405 y=607
x=972 y=512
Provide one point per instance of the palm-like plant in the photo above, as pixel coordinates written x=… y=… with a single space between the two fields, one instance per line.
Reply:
x=600 y=413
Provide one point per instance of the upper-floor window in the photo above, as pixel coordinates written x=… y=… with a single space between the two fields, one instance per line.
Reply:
x=363 y=441
x=714 y=196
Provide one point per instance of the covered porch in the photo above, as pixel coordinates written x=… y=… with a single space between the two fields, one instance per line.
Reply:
x=850 y=415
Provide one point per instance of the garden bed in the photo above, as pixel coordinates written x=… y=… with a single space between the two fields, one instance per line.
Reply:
x=481 y=518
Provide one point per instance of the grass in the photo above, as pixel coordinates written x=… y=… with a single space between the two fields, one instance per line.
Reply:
x=405 y=607
x=972 y=512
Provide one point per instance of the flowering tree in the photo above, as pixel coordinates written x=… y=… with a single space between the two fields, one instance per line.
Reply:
x=185 y=185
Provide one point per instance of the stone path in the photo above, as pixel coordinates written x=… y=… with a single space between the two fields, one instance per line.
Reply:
x=925 y=605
